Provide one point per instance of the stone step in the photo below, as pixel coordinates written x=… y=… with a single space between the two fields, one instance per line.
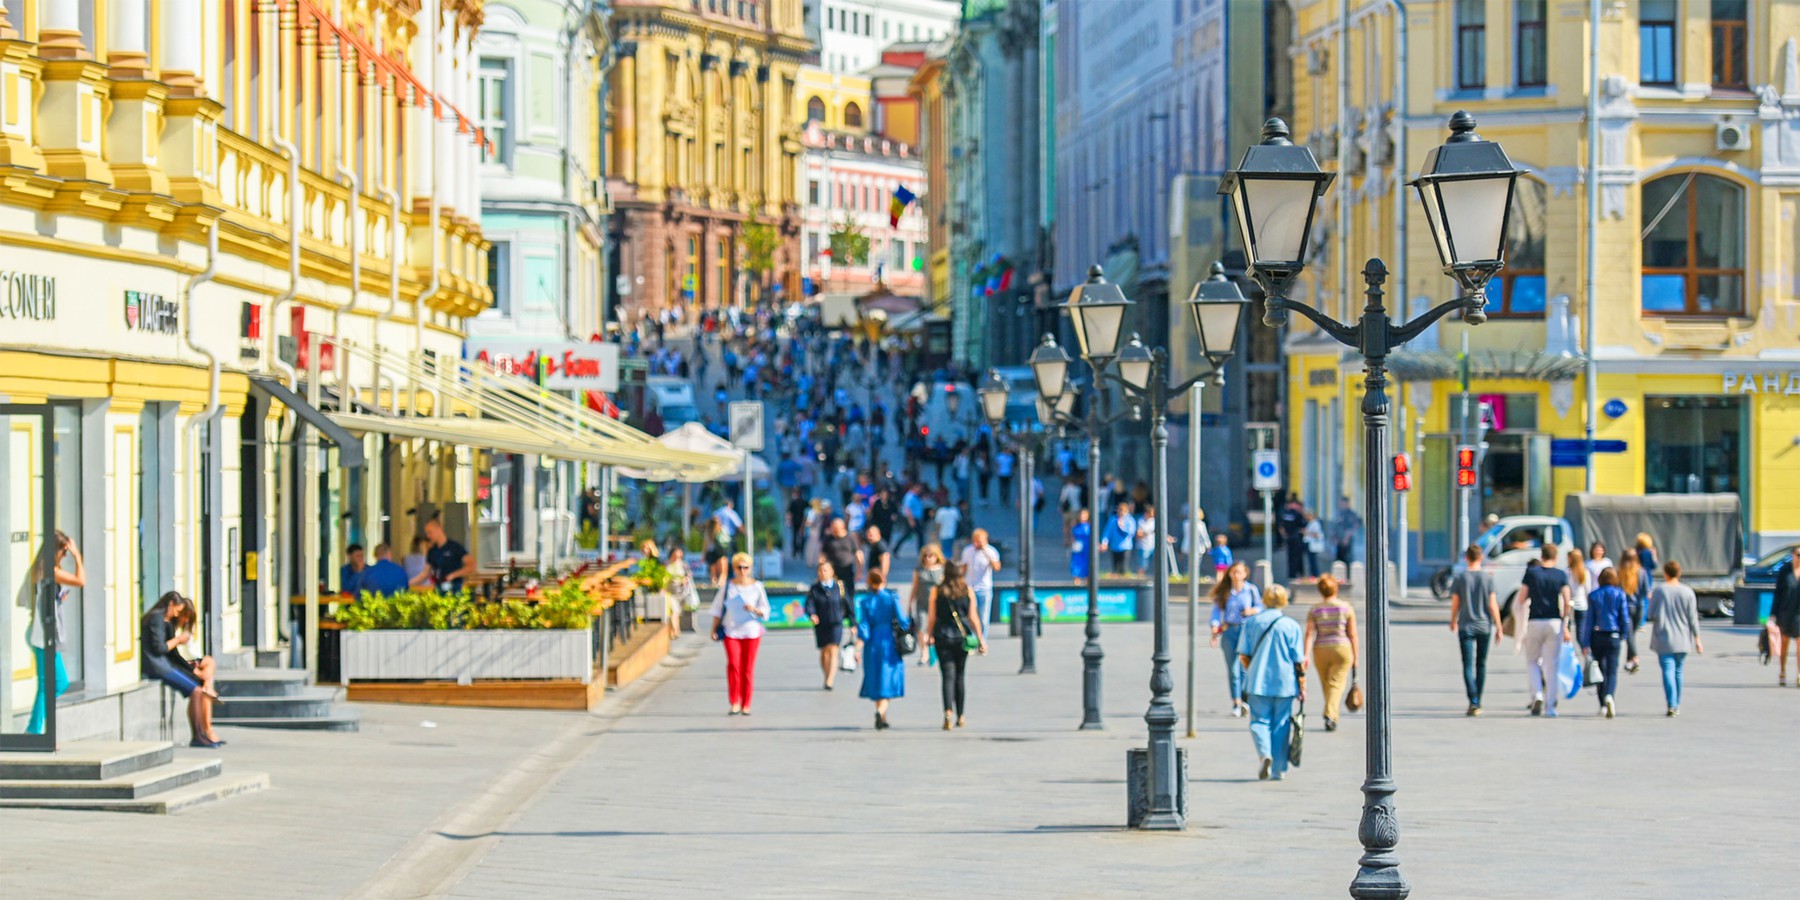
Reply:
x=344 y=719
x=311 y=702
x=260 y=682
x=184 y=797
x=86 y=760
x=132 y=786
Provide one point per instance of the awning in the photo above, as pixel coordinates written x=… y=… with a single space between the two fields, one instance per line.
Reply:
x=512 y=415
x=350 y=450
x=694 y=437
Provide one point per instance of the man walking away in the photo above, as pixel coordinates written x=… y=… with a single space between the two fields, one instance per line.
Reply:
x=729 y=524
x=912 y=519
x=980 y=561
x=1545 y=589
x=1293 y=526
x=1345 y=529
x=1475 y=617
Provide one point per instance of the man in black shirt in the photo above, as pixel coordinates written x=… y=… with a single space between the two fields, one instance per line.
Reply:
x=839 y=548
x=1546 y=589
x=875 y=551
x=447 y=562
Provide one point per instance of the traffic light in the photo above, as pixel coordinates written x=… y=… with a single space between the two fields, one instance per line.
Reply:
x=1402 y=473
x=1465 y=466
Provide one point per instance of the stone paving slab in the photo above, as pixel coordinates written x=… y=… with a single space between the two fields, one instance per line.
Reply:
x=804 y=799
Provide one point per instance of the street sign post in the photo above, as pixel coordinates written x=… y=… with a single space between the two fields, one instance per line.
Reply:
x=1265 y=476
x=746 y=418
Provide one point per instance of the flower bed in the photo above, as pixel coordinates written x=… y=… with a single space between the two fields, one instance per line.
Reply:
x=443 y=637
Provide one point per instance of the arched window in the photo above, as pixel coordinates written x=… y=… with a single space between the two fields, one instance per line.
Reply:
x=815 y=110
x=1519 y=288
x=1693 y=226
x=852 y=116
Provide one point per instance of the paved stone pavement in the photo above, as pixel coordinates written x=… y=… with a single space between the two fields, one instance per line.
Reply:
x=659 y=794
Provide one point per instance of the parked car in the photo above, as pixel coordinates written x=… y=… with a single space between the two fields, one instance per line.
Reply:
x=1755 y=589
x=1507 y=547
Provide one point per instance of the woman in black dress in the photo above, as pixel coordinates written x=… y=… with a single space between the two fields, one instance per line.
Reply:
x=949 y=627
x=828 y=605
x=168 y=625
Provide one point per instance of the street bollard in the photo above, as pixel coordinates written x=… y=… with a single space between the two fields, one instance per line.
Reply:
x=1359 y=580
x=1262 y=574
x=1025 y=614
x=1339 y=573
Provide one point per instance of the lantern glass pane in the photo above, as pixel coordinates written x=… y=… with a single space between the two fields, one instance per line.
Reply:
x=1049 y=374
x=1218 y=325
x=993 y=405
x=1475 y=210
x=1101 y=324
x=1434 y=217
x=1279 y=211
x=1136 y=372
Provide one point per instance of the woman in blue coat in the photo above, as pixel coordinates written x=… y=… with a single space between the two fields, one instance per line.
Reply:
x=1078 y=545
x=884 y=673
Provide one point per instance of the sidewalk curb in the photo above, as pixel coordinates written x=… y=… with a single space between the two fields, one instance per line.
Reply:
x=439 y=857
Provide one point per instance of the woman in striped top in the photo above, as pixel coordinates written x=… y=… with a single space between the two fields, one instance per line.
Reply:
x=1331 y=645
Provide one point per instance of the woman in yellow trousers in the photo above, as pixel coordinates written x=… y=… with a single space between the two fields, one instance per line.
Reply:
x=1331 y=645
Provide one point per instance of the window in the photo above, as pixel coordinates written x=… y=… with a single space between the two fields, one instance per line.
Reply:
x=812 y=192
x=691 y=283
x=499 y=273
x=1471 y=44
x=896 y=256
x=812 y=246
x=884 y=30
x=493 y=110
x=1531 y=43
x=815 y=109
x=831 y=18
x=1730 y=49
x=1656 y=42
x=722 y=260
x=1518 y=291
x=1693 y=246
x=853 y=115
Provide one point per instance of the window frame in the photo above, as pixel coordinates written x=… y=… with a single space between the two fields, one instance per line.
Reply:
x=1692 y=271
x=1740 y=62
x=1537 y=30
x=1672 y=26
x=1465 y=32
x=495 y=72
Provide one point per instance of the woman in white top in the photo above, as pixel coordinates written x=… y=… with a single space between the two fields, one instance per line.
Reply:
x=738 y=614
x=1581 y=581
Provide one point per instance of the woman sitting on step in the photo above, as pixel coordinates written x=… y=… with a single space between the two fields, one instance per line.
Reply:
x=168 y=625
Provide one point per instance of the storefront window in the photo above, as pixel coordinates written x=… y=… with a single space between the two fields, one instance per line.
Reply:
x=40 y=495
x=1693 y=445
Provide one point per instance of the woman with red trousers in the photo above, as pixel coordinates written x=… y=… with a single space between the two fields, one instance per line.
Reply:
x=738 y=613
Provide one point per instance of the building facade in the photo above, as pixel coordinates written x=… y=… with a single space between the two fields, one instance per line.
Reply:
x=704 y=153
x=852 y=35
x=927 y=87
x=1144 y=125
x=1697 y=192
x=1000 y=301
x=850 y=183
x=184 y=227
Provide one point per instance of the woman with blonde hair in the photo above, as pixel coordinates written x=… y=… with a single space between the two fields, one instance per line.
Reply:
x=1646 y=551
x=738 y=613
x=1331 y=645
x=1274 y=676
x=925 y=582
x=1581 y=583
x=1235 y=599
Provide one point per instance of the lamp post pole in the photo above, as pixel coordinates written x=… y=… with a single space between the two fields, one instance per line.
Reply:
x=1164 y=812
x=1193 y=554
x=1091 y=654
x=1025 y=608
x=1462 y=183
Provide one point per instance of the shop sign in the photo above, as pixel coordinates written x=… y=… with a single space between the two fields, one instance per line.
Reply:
x=1786 y=384
x=151 y=312
x=1321 y=377
x=250 y=334
x=25 y=296
x=558 y=365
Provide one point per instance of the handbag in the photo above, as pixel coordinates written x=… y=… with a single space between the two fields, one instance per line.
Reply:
x=904 y=642
x=1354 y=701
x=971 y=643
x=1593 y=674
x=847 y=654
x=1296 y=732
x=1568 y=672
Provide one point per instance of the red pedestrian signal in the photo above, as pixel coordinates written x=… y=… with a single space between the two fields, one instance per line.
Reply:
x=1402 y=473
x=1465 y=466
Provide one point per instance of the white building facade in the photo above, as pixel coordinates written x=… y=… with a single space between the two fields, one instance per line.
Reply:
x=852 y=33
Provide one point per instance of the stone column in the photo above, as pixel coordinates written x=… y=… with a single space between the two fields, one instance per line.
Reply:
x=127 y=37
x=625 y=99
x=59 y=30
x=179 y=56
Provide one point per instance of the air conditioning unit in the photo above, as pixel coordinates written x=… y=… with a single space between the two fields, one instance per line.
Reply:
x=1733 y=137
x=1316 y=60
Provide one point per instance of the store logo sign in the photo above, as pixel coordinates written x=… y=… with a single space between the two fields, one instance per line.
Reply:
x=24 y=296
x=151 y=312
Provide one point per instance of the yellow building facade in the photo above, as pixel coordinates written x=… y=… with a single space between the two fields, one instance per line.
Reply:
x=194 y=199
x=836 y=101
x=1696 y=286
x=705 y=141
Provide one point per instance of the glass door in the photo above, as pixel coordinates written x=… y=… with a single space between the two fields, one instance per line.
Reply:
x=29 y=625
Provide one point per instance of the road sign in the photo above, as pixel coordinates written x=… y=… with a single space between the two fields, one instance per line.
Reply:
x=747 y=425
x=1265 y=470
x=1402 y=473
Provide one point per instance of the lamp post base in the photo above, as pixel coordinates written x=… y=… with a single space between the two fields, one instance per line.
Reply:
x=1025 y=612
x=1138 y=814
x=1091 y=654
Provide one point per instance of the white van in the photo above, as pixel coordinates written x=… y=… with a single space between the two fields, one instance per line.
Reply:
x=673 y=400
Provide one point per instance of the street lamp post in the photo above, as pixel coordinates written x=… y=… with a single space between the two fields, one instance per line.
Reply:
x=993 y=406
x=1466 y=187
x=1096 y=310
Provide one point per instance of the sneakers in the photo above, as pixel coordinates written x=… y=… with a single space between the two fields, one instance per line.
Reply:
x=1631 y=666
x=1606 y=706
x=1267 y=765
x=1537 y=707
x=1673 y=712
x=1330 y=724
x=1474 y=710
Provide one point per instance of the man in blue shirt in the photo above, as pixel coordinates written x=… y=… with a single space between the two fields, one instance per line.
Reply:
x=350 y=574
x=384 y=577
x=729 y=523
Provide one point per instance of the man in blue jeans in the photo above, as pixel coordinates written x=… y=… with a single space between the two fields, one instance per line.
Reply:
x=1475 y=617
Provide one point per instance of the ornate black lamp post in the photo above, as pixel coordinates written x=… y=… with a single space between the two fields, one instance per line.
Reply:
x=1097 y=311
x=1466 y=187
x=1047 y=370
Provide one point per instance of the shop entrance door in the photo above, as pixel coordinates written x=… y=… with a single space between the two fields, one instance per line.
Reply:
x=29 y=651
x=1693 y=445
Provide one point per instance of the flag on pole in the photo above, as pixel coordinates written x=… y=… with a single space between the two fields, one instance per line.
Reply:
x=902 y=199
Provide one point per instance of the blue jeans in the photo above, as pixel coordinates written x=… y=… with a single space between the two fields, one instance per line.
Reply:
x=36 y=726
x=1474 y=660
x=1606 y=649
x=159 y=668
x=1270 y=722
x=1672 y=664
x=984 y=605
x=1234 y=670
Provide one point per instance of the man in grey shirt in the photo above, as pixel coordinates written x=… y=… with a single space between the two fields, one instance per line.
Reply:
x=1475 y=617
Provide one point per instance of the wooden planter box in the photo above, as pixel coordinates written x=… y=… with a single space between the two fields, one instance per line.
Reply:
x=464 y=656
